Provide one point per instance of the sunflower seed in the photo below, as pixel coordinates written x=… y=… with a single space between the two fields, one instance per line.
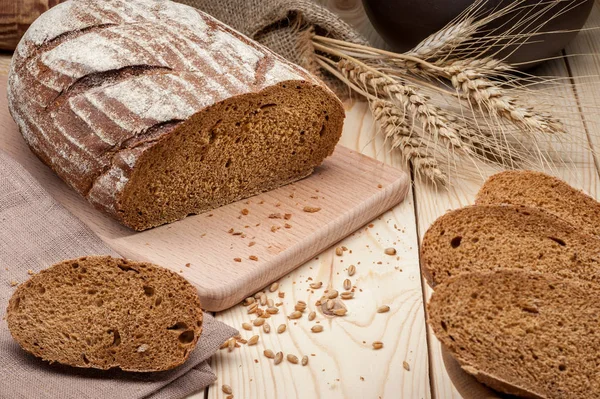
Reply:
x=247 y=326
x=383 y=309
x=347 y=284
x=332 y=294
x=292 y=358
x=269 y=353
x=304 y=360
x=339 y=251
x=390 y=251
x=317 y=328
x=281 y=328
x=351 y=270
x=340 y=312
x=377 y=345
x=253 y=340
x=266 y=328
x=316 y=285
x=312 y=315
x=226 y=389
x=295 y=315
x=274 y=287
x=258 y=321
x=278 y=357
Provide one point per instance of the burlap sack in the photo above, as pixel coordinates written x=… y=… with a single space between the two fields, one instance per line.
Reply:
x=35 y=232
x=285 y=26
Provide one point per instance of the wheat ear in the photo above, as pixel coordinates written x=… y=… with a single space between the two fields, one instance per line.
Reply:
x=444 y=40
x=393 y=124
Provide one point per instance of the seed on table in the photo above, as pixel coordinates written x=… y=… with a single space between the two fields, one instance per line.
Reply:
x=281 y=329
x=229 y=397
x=231 y=345
x=317 y=285
x=332 y=294
x=377 y=345
x=351 y=270
x=258 y=321
x=253 y=340
x=292 y=358
x=340 y=312
x=330 y=304
x=273 y=310
x=224 y=345
x=300 y=307
x=266 y=328
x=241 y=340
x=339 y=251
x=269 y=353
x=406 y=365
x=383 y=309
x=347 y=295
x=249 y=301
x=347 y=284
x=270 y=303
x=312 y=315
x=316 y=328
x=247 y=326
x=226 y=389
x=263 y=299
x=295 y=315
x=278 y=358
x=281 y=294
x=252 y=308
x=265 y=315
x=274 y=287
x=304 y=360
x=258 y=295
x=390 y=251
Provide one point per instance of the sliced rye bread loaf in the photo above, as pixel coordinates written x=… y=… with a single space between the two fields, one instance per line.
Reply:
x=523 y=333
x=103 y=312
x=153 y=110
x=488 y=237
x=540 y=190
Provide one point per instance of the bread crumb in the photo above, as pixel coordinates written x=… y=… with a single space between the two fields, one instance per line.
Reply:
x=188 y=264
x=13 y=283
x=281 y=294
x=275 y=216
x=237 y=259
x=30 y=272
x=311 y=209
x=244 y=211
x=142 y=348
x=287 y=216
x=287 y=226
x=230 y=230
x=275 y=228
x=379 y=186
x=371 y=225
x=253 y=257
x=251 y=243
x=362 y=378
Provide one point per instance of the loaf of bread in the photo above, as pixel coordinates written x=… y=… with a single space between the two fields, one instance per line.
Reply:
x=490 y=237
x=153 y=110
x=102 y=312
x=537 y=189
x=523 y=333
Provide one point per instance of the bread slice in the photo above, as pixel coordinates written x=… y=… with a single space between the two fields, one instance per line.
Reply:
x=522 y=333
x=103 y=312
x=540 y=190
x=484 y=238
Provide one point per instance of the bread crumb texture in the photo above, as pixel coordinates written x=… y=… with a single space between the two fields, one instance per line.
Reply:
x=103 y=312
x=523 y=333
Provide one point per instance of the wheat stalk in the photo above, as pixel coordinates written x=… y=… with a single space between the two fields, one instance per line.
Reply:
x=393 y=124
x=445 y=40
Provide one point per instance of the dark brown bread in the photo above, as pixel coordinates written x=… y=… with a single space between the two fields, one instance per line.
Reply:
x=104 y=312
x=487 y=237
x=153 y=110
x=522 y=333
x=540 y=190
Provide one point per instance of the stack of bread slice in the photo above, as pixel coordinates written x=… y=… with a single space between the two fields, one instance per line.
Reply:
x=516 y=280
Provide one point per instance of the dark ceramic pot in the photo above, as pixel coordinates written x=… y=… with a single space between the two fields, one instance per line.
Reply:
x=404 y=23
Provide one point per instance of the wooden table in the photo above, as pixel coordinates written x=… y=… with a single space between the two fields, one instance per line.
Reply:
x=411 y=364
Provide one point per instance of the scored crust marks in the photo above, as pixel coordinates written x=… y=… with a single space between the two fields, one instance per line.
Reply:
x=184 y=61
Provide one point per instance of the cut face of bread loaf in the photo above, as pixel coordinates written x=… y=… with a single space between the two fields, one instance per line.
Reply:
x=522 y=333
x=484 y=238
x=540 y=190
x=153 y=110
x=102 y=312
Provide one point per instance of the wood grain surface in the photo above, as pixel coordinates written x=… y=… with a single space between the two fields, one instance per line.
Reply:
x=16 y=16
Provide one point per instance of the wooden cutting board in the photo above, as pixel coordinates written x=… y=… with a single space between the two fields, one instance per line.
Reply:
x=349 y=188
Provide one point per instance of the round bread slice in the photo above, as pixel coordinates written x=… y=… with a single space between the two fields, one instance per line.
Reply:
x=484 y=238
x=535 y=189
x=523 y=333
x=103 y=312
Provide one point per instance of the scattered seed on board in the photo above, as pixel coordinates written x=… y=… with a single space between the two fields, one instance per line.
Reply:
x=377 y=345
x=281 y=294
x=390 y=251
x=295 y=315
x=247 y=326
x=224 y=345
x=347 y=295
x=270 y=303
x=226 y=389
x=340 y=312
x=300 y=307
x=229 y=397
x=406 y=365
x=253 y=340
x=231 y=345
x=332 y=294
x=281 y=328
x=258 y=321
x=265 y=315
x=304 y=360
x=263 y=299
x=312 y=315
x=274 y=287
x=266 y=328
x=316 y=328
x=316 y=285
x=351 y=270
x=339 y=251
x=311 y=209
x=249 y=301
x=347 y=284
x=330 y=304
x=278 y=357
x=383 y=309
x=253 y=257
x=273 y=310
x=292 y=358
x=269 y=353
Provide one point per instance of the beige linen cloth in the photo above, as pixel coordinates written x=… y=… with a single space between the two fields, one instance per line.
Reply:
x=35 y=232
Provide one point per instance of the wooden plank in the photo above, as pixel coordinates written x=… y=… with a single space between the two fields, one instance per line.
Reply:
x=343 y=351
x=448 y=380
x=349 y=189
